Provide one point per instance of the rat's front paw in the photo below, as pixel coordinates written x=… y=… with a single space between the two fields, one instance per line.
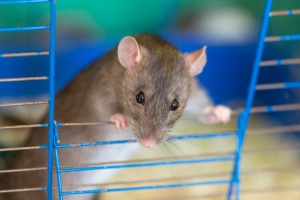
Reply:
x=121 y=121
x=218 y=114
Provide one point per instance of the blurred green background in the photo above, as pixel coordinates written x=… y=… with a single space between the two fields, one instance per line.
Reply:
x=114 y=17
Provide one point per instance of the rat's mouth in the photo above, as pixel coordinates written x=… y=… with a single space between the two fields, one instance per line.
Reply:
x=149 y=137
x=148 y=143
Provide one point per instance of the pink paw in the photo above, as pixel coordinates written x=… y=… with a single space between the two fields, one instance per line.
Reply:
x=121 y=121
x=219 y=113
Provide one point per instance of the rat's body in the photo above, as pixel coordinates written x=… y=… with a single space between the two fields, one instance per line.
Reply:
x=109 y=89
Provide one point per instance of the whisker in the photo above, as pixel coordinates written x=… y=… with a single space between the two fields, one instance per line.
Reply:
x=190 y=116
x=175 y=148
x=171 y=137
x=164 y=149
x=168 y=148
x=192 y=143
x=127 y=131
x=175 y=132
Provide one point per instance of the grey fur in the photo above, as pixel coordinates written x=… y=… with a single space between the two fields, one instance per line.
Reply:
x=101 y=90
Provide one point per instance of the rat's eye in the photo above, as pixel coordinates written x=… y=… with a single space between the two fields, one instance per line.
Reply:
x=174 y=105
x=140 y=98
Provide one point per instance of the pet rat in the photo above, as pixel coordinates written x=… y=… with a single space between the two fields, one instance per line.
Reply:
x=144 y=84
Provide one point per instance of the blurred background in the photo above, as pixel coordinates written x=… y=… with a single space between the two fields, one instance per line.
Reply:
x=230 y=28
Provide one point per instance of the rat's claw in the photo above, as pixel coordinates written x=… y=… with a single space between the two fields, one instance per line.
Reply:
x=121 y=121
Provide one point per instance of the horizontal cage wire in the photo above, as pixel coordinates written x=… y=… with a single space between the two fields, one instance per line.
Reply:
x=231 y=177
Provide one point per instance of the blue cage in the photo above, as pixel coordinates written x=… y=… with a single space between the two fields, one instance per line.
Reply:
x=233 y=180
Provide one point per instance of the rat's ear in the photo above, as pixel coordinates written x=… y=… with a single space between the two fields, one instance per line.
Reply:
x=129 y=52
x=196 y=61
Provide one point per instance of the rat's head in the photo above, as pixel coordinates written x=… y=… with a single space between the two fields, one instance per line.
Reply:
x=156 y=86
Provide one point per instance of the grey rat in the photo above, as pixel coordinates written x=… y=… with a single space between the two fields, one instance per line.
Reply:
x=144 y=84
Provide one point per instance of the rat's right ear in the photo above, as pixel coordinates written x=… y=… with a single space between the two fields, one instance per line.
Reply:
x=129 y=52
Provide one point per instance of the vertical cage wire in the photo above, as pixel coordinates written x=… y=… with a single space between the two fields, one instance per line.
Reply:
x=51 y=96
x=51 y=78
x=243 y=118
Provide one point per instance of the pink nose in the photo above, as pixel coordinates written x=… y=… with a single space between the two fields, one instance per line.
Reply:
x=148 y=143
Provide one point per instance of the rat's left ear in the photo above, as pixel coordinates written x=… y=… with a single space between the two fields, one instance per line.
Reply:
x=196 y=61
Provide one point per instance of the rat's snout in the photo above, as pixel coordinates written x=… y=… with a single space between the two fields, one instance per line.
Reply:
x=151 y=139
x=148 y=142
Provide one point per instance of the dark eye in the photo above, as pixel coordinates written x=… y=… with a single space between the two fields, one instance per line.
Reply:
x=174 y=105
x=140 y=98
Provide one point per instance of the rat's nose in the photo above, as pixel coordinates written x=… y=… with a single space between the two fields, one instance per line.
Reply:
x=148 y=143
